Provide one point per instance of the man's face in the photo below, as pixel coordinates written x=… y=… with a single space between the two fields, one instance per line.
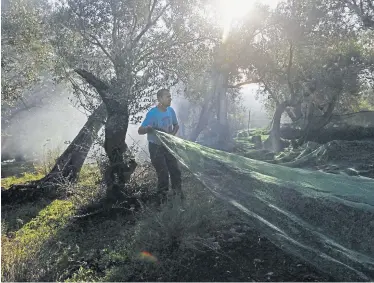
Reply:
x=165 y=99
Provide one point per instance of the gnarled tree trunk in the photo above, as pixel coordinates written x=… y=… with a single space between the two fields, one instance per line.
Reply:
x=205 y=111
x=120 y=166
x=274 y=137
x=221 y=93
x=316 y=123
x=67 y=166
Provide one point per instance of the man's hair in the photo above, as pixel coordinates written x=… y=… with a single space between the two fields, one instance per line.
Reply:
x=161 y=92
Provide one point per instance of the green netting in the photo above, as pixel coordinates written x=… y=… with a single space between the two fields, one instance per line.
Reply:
x=325 y=219
x=362 y=118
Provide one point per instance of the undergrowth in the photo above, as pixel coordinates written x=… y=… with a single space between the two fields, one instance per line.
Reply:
x=27 y=227
x=19 y=254
x=50 y=242
x=161 y=242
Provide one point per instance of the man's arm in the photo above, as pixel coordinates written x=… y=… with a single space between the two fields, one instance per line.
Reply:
x=175 y=123
x=145 y=127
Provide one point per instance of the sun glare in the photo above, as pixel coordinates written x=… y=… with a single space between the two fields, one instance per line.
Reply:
x=231 y=10
x=234 y=9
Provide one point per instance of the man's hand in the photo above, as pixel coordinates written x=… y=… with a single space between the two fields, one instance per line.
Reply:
x=149 y=129
x=145 y=130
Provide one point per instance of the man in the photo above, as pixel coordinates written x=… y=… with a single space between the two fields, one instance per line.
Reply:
x=162 y=118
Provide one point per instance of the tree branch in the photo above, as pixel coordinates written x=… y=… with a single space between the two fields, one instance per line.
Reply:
x=134 y=23
x=254 y=81
x=371 y=4
x=92 y=79
x=359 y=9
x=290 y=86
x=79 y=89
x=115 y=28
x=151 y=22
x=164 y=49
x=272 y=95
x=98 y=43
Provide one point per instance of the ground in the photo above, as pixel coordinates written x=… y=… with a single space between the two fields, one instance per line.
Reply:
x=58 y=241
x=80 y=238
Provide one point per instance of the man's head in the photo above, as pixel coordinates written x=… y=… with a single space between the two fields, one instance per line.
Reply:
x=164 y=97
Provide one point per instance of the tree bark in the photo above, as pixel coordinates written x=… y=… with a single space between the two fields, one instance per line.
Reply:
x=67 y=166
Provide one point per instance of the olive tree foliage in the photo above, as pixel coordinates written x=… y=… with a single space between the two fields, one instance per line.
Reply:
x=362 y=10
x=125 y=51
x=25 y=52
x=307 y=60
x=367 y=87
x=24 y=47
x=142 y=43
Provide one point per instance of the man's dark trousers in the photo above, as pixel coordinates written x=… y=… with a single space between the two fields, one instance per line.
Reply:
x=165 y=163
